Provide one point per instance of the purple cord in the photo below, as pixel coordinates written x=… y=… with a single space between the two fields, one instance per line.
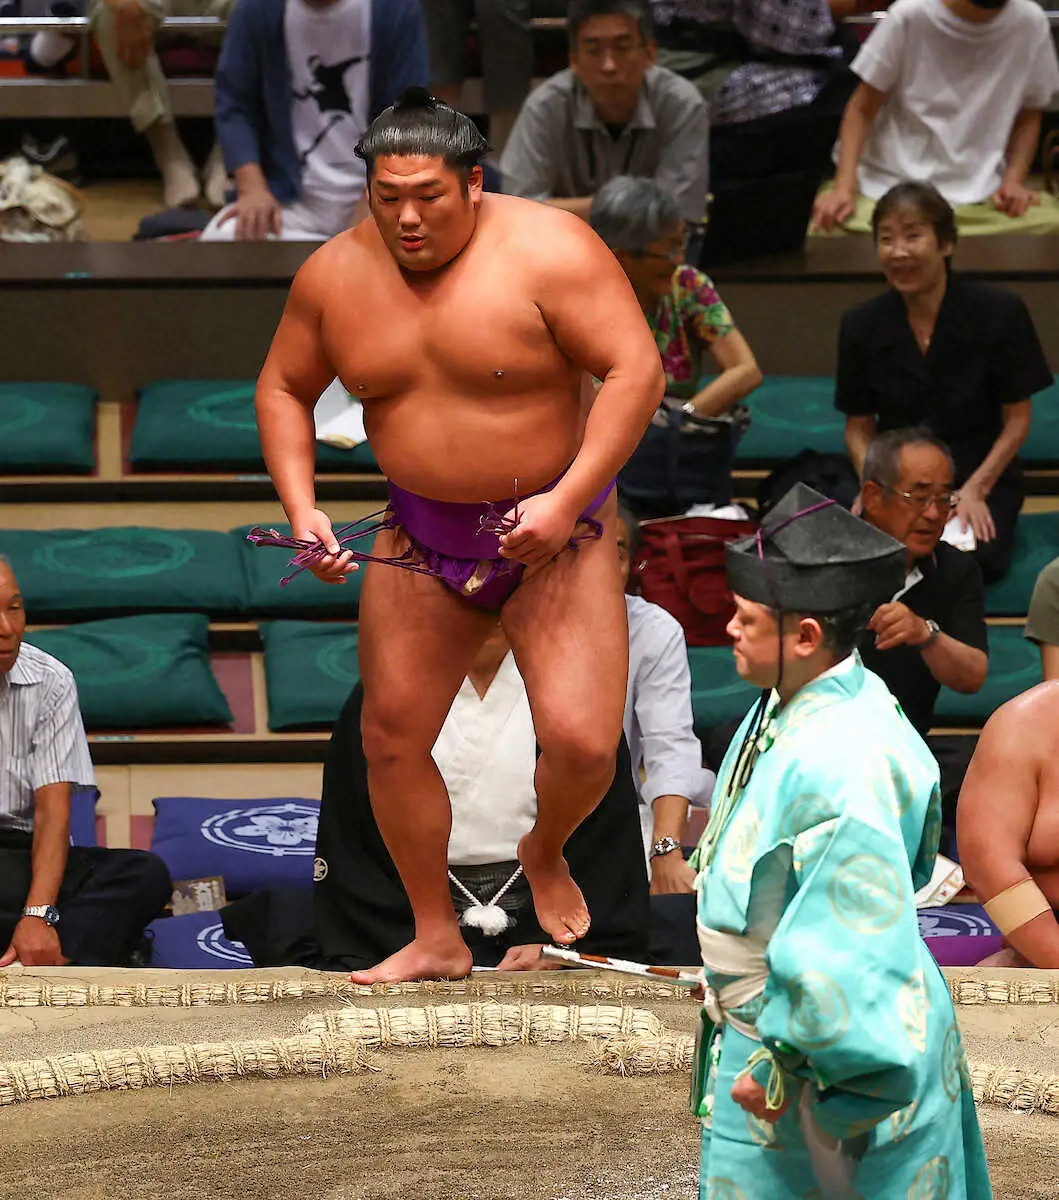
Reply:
x=309 y=553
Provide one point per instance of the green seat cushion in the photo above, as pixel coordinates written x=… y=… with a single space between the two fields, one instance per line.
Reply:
x=718 y=694
x=209 y=424
x=1042 y=445
x=126 y=570
x=140 y=672
x=47 y=428
x=789 y=413
x=305 y=595
x=1014 y=666
x=1036 y=544
x=310 y=669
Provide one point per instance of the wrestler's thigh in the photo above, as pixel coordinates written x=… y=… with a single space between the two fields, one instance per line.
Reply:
x=568 y=627
x=416 y=641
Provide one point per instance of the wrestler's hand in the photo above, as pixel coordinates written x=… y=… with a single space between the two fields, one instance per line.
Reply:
x=338 y=563
x=895 y=624
x=750 y=1095
x=34 y=944
x=527 y=958
x=545 y=526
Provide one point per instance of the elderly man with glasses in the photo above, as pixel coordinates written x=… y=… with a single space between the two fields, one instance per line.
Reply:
x=932 y=632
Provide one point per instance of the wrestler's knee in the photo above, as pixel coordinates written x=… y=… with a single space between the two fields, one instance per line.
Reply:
x=586 y=751
x=389 y=736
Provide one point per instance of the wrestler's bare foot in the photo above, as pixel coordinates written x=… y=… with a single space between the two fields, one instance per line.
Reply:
x=1008 y=957
x=420 y=960
x=561 y=909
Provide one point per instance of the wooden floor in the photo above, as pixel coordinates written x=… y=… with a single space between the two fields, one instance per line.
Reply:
x=113 y=210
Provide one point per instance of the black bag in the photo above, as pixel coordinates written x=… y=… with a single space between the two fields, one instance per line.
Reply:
x=681 y=461
x=831 y=475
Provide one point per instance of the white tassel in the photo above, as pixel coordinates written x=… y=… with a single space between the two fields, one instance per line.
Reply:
x=489 y=918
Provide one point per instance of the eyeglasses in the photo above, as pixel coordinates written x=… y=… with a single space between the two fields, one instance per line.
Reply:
x=946 y=500
x=675 y=254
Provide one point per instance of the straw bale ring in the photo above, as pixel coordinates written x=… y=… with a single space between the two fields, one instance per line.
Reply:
x=580 y=1084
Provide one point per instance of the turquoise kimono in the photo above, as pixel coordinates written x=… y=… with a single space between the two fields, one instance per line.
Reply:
x=817 y=978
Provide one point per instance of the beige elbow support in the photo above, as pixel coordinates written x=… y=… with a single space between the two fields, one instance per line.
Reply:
x=1015 y=906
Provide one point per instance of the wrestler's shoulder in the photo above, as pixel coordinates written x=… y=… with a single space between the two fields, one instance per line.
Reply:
x=352 y=250
x=1037 y=709
x=551 y=233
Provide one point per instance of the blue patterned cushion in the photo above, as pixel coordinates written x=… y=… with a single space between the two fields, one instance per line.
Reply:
x=253 y=844
x=1036 y=544
x=310 y=669
x=195 y=942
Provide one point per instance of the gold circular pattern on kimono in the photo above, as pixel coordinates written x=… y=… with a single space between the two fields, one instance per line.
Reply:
x=810 y=844
x=723 y=1189
x=740 y=844
x=933 y=1180
x=901 y=1121
x=952 y=1063
x=890 y=786
x=913 y=1009
x=866 y=894
x=803 y=812
x=819 y=1011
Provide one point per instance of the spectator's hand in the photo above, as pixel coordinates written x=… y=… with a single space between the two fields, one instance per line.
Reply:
x=337 y=563
x=34 y=944
x=545 y=525
x=1014 y=199
x=256 y=214
x=833 y=208
x=527 y=958
x=133 y=30
x=671 y=873
x=895 y=624
x=750 y=1096
x=973 y=511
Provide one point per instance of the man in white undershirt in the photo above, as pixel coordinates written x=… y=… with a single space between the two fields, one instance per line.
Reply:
x=951 y=93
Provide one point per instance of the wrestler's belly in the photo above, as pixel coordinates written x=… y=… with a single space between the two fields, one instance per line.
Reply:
x=470 y=450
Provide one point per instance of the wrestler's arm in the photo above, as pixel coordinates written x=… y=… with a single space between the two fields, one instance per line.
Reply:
x=994 y=821
x=597 y=322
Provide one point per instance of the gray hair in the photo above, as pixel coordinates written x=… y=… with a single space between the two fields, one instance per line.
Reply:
x=629 y=214
x=882 y=463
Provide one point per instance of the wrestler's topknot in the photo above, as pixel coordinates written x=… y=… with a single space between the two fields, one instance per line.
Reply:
x=420 y=125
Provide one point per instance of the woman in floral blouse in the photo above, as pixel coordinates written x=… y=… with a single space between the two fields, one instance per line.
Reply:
x=644 y=228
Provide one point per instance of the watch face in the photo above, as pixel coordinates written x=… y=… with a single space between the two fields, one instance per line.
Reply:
x=51 y=915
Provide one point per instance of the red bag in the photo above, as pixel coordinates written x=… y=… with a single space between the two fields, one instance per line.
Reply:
x=680 y=566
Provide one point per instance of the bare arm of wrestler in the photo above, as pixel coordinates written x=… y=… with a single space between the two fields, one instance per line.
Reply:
x=1003 y=804
x=596 y=321
x=296 y=371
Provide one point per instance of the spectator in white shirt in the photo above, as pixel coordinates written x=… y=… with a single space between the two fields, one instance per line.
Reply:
x=58 y=903
x=951 y=93
x=666 y=754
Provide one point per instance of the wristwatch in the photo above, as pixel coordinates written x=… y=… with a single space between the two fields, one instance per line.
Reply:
x=47 y=913
x=933 y=629
x=664 y=845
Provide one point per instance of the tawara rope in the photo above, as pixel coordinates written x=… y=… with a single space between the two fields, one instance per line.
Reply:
x=484 y=1024
x=16 y=992
x=1005 y=991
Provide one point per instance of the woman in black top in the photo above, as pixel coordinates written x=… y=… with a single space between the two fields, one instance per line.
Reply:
x=961 y=358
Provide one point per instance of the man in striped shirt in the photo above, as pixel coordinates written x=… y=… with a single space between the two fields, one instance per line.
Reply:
x=58 y=903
